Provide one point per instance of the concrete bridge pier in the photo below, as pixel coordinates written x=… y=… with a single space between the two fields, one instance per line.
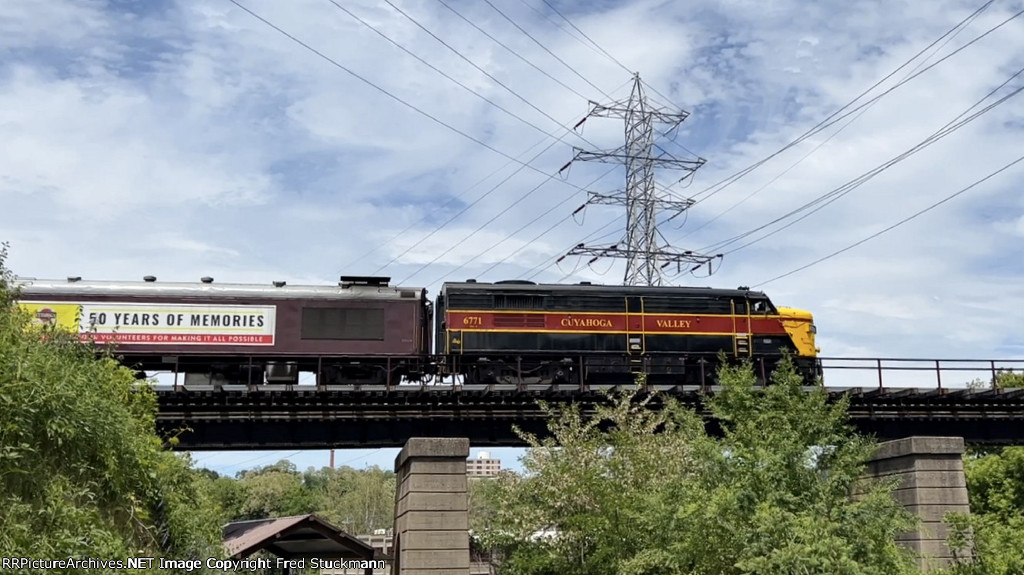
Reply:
x=932 y=483
x=431 y=533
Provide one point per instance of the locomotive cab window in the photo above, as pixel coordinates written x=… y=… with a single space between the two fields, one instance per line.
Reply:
x=342 y=323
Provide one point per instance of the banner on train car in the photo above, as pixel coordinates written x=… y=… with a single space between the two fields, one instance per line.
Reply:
x=160 y=324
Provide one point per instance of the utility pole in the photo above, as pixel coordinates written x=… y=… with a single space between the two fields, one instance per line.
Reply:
x=646 y=251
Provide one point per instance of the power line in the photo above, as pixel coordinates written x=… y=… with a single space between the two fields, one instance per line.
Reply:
x=836 y=117
x=463 y=57
x=437 y=229
x=962 y=26
x=828 y=198
x=393 y=96
x=474 y=232
x=897 y=224
x=826 y=122
x=545 y=48
x=439 y=71
x=438 y=208
x=511 y=50
x=387 y=93
x=593 y=45
x=470 y=62
x=536 y=270
x=471 y=204
x=513 y=234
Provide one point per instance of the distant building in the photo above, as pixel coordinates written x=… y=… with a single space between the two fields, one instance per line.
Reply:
x=483 y=465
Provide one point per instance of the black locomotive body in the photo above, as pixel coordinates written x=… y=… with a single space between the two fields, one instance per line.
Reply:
x=519 y=331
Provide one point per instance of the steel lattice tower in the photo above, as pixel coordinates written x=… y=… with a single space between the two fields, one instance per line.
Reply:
x=646 y=257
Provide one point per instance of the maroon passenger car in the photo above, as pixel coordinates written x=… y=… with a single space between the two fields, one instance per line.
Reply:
x=360 y=331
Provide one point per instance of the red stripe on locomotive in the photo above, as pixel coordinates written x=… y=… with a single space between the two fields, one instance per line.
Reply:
x=611 y=323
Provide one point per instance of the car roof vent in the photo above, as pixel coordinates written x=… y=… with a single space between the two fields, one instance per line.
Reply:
x=516 y=282
x=73 y=279
x=279 y=284
x=207 y=280
x=149 y=279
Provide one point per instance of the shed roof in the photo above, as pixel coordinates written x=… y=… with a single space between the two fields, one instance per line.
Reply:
x=298 y=537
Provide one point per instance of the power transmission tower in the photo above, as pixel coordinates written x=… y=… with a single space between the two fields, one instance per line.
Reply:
x=645 y=256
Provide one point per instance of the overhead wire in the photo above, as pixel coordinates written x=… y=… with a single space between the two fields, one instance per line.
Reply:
x=827 y=198
x=442 y=72
x=520 y=229
x=393 y=96
x=437 y=208
x=543 y=47
x=512 y=51
x=832 y=119
x=838 y=115
x=494 y=188
x=466 y=208
x=384 y=91
x=470 y=62
x=595 y=46
x=962 y=26
x=515 y=53
x=479 y=229
x=477 y=67
x=896 y=225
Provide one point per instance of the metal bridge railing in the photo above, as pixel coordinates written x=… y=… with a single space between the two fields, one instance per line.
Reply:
x=837 y=372
x=913 y=372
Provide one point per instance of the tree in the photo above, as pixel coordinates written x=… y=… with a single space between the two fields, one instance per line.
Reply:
x=274 y=491
x=1003 y=379
x=641 y=488
x=481 y=500
x=83 y=472
x=358 y=501
x=994 y=531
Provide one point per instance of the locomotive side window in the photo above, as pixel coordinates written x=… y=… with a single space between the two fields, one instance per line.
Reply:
x=342 y=323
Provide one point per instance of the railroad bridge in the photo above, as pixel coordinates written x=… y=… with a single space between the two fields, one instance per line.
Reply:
x=889 y=398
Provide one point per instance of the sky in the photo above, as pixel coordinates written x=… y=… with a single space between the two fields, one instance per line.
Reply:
x=186 y=139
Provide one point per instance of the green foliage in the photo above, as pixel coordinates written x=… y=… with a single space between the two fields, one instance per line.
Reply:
x=640 y=491
x=82 y=470
x=995 y=527
x=1004 y=378
x=358 y=501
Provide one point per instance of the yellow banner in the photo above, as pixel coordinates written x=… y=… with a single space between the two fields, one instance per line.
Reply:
x=63 y=314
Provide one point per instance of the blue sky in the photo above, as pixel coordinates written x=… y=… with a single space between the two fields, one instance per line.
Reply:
x=192 y=139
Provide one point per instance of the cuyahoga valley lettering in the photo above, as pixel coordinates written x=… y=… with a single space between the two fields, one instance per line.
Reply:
x=673 y=323
x=586 y=322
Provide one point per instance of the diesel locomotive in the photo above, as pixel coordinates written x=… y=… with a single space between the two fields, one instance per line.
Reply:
x=366 y=331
